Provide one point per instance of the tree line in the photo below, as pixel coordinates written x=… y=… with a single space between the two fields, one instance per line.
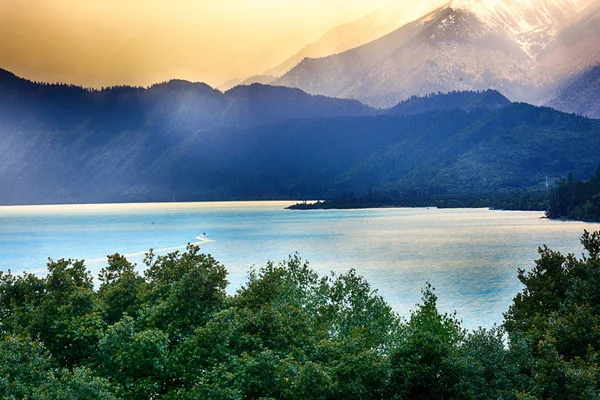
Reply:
x=172 y=332
x=575 y=199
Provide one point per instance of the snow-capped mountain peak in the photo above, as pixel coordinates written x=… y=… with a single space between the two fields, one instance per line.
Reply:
x=518 y=47
x=530 y=23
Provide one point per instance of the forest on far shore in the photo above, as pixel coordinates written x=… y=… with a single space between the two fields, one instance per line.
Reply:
x=172 y=332
x=568 y=199
x=574 y=199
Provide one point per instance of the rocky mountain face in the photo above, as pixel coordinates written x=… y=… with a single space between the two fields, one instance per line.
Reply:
x=463 y=45
x=580 y=94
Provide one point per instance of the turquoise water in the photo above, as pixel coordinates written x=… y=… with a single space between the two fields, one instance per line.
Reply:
x=470 y=256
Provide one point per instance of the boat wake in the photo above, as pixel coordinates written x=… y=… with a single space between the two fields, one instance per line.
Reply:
x=200 y=240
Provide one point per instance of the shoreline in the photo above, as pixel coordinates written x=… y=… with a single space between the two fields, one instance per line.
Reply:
x=440 y=204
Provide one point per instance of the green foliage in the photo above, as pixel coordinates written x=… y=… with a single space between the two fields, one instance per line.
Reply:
x=183 y=290
x=173 y=333
x=558 y=315
x=17 y=293
x=27 y=371
x=292 y=334
x=426 y=363
x=61 y=310
x=135 y=359
x=491 y=369
x=121 y=288
x=575 y=199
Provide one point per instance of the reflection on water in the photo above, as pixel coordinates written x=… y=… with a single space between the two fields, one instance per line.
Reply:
x=470 y=256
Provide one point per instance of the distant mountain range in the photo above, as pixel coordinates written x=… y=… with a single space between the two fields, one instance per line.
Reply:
x=188 y=141
x=525 y=49
x=344 y=37
x=177 y=106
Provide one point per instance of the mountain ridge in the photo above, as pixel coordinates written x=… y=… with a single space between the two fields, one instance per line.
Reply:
x=132 y=144
x=347 y=36
x=463 y=45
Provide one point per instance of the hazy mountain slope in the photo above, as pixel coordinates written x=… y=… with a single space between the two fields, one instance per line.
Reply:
x=465 y=45
x=338 y=39
x=522 y=145
x=356 y=33
x=262 y=79
x=64 y=143
x=67 y=144
x=260 y=104
x=517 y=146
x=580 y=94
x=453 y=151
x=260 y=56
x=575 y=48
x=532 y=24
x=449 y=49
x=171 y=107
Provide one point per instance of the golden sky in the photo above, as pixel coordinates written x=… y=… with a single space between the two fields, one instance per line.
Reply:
x=139 y=42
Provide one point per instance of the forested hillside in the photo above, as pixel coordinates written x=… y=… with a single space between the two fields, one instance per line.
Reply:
x=575 y=199
x=468 y=100
x=186 y=141
x=173 y=333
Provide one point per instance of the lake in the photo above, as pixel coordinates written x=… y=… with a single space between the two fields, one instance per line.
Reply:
x=470 y=256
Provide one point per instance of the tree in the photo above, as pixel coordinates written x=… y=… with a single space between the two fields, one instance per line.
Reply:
x=426 y=363
x=558 y=315
x=121 y=289
x=183 y=291
x=291 y=334
x=27 y=371
x=137 y=360
x=61 y=310
x=576 y=199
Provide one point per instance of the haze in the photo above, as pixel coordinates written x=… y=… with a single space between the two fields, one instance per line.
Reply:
x=98 y=43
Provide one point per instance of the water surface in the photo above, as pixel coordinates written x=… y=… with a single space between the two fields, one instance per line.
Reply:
x=470 y=256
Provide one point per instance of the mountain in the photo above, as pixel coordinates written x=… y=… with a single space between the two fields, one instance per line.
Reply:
x=175 y=106
x=580 y=94
x=59 y=138
x=262 y=79
x=467 y=101
x=356 y=33
x=574 y=49
x=571 y=63
x=66 y=144
x=262 y=56
x=464 y=45
x=260 y=104
x=515 y=147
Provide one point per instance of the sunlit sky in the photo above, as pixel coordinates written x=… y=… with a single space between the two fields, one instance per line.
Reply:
x=138 y=42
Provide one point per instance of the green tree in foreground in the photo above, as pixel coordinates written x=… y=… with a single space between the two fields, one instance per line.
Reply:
x=558 y=315
x=28 y=371
x=426 y=362
x=173 y=333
